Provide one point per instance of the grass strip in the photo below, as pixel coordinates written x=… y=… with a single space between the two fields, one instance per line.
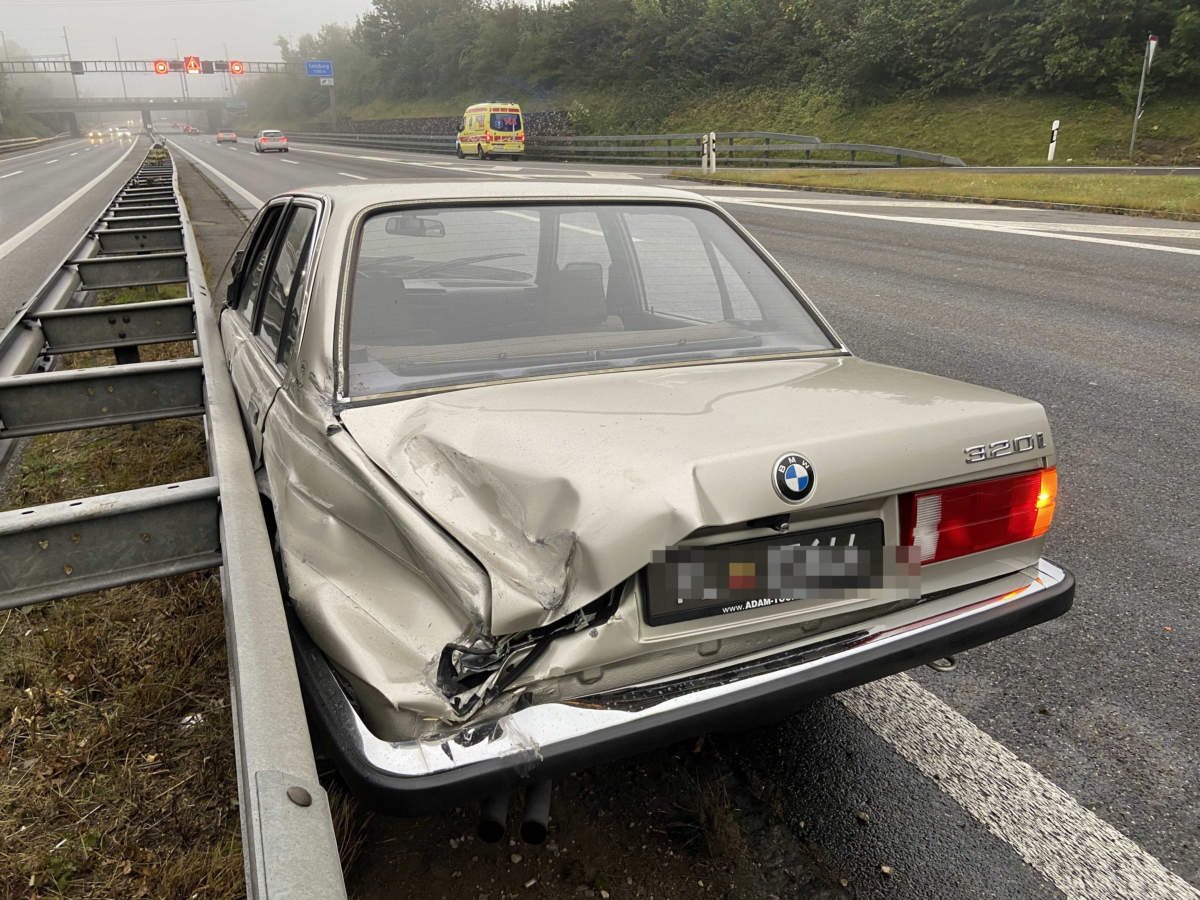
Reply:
x=117 y=774
x=1161 y=195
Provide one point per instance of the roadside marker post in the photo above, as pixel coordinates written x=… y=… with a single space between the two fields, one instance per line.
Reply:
x=1053 y=140
x=1147 y=59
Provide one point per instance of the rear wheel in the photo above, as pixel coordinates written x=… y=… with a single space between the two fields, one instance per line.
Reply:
x=479 y=154
x=458 y=150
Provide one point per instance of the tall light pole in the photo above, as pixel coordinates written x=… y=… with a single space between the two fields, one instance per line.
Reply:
x=121 y=69
x=1147 y=58
x=74 y=84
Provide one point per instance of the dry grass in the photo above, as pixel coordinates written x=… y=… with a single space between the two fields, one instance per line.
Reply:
x=116 y=764
x=1174 y=195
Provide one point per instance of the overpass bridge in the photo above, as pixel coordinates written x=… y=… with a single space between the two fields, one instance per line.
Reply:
x=64 y=112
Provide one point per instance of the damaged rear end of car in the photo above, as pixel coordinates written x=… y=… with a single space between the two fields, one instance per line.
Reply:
x=582 y=476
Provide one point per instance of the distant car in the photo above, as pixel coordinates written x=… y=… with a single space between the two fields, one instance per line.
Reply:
x=226 y=137
x=269 y=140
x=125 y=133
x=558 y=472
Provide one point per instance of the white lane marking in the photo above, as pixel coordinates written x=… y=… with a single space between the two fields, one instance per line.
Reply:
x=358 y=177
x=564 y=226
x=968 y=225
x=1079 y=852
x=616 y=176
x=50 y=162
x=1089 y=228
x=34 y=227
x=241 y=191
x=809 y=199
x=76 y=153
x=55 y=149
x=420 y=165
x=11 y=174
x=290 y=162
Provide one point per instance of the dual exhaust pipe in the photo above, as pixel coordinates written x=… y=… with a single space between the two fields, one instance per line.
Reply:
x=535 y=818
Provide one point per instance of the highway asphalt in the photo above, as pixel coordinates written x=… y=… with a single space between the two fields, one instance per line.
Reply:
x=48 y=199
x=1098 y=318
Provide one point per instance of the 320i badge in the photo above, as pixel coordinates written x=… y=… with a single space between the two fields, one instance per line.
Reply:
x=561 y=472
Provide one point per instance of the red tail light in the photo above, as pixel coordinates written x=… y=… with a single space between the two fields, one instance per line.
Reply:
x=283 y=140
x=966 y=518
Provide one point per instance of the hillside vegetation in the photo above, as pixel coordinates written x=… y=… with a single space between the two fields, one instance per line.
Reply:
x=974 y=78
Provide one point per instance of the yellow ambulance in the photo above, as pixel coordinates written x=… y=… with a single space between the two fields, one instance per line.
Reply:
x=491 y=129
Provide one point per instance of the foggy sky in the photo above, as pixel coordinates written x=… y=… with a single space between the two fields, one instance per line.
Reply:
x=148 y=29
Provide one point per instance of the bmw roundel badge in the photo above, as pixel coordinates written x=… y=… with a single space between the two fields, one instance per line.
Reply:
x=793 y=477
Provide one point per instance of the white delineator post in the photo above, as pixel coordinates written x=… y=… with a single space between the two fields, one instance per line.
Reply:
x=1147 y=59
x=712 y=151
x=1053 y=141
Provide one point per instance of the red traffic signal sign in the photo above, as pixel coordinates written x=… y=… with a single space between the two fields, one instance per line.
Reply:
x=161 y=67
x=191 y=65
x=237 y=67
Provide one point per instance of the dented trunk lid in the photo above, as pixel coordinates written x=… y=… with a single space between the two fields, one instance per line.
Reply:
x=563 y=487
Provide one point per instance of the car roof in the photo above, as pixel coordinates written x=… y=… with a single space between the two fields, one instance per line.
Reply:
x=371 y=193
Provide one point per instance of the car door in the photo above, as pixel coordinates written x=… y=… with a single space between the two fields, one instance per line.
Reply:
x=269 y=318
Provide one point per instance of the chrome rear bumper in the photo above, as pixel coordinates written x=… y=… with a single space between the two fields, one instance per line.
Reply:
x=553 y=738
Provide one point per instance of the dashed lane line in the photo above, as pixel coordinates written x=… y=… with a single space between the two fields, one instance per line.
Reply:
x=34 y=227
x=356 y=177
x=1084 y=856
x=49 y=162
x=967 y=225
x=11 y=174
x=404 y=162
x=290 y=162
x=55 y=149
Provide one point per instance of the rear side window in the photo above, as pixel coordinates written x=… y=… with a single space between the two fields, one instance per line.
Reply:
x=287 y=274
x=254 y=265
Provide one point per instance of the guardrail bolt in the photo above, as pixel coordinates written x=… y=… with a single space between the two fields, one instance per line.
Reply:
x=299 y=796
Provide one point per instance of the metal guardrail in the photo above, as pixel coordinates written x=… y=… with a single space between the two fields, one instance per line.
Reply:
x=12 y=145
x=733 y=148
x=63 y=549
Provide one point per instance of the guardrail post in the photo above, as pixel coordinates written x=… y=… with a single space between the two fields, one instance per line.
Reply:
x=767 y=152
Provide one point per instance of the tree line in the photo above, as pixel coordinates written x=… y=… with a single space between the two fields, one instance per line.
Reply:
x=855 y=50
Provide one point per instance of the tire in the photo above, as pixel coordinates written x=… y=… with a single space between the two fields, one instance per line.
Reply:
x=458 y=150
x=479 y=154
x=286 y=149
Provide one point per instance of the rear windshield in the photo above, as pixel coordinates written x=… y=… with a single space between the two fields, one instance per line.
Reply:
x=272 y=133
x=456 y=295
x=506 y=121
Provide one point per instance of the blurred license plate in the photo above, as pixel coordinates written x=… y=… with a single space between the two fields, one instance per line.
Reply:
x=841 y=562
